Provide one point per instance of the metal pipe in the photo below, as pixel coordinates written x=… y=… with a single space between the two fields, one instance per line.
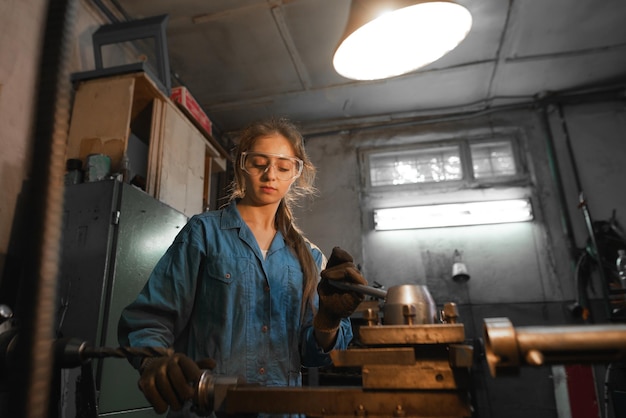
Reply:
x=463 y=112
x=568 y=145
x=359 y=288
x=555 y=171
x=507 y=348
x=589 y=223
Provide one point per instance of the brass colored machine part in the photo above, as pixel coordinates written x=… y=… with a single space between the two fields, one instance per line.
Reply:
x=507 y=348
x=410 y=357
x=407 y=371
x=344 y=402
x=412 y=334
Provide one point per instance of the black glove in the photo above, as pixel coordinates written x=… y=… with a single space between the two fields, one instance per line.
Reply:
x=206 y=363
x=169 y=381
x=336 y=303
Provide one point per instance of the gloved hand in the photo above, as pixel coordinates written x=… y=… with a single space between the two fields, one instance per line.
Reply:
x=335 y=303
x=206 y=363
x=169 y=381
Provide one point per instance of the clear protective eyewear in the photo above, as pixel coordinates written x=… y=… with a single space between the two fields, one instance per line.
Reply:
x=285 y=167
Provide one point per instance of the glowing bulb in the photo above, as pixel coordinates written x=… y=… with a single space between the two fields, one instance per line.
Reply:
x=402 y=41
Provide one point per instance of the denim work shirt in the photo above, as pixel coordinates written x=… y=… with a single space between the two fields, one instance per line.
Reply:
x=213 y=294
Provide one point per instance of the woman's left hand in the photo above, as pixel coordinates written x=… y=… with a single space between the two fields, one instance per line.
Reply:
x=336 y=303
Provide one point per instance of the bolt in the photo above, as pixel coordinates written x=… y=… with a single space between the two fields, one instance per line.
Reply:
x=409 y=312
x=399 y=412
x=534 y=358
x=450 y=313
x=371 y=316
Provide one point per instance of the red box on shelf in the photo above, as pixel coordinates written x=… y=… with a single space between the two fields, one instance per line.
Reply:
x=185 y=100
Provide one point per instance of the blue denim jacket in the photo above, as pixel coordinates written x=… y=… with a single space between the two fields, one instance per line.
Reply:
x=213 y=294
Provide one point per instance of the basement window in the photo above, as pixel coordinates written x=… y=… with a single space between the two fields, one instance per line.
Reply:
x=469 y=161
x=424 y=165
x=493 y=159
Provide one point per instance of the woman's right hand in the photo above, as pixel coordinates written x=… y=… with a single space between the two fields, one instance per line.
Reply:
x=169 y=381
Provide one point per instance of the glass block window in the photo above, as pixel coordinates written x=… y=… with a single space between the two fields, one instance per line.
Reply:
x=422 y=165
x=493 y=159
x=466 y=161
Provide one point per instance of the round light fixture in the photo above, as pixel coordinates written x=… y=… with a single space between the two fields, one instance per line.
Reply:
x=386 y=42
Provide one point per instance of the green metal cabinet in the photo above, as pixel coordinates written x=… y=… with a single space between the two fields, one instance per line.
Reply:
x=113 y=236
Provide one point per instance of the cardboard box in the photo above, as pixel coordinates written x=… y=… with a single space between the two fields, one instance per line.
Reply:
x=188 y=104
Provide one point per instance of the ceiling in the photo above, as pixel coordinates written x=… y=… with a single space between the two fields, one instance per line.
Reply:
x=248 y=59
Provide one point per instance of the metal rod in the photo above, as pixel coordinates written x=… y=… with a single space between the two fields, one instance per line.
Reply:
x=359 y=288
x=507 y=348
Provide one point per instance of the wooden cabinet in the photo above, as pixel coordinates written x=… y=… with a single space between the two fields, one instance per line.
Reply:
x=127 y=115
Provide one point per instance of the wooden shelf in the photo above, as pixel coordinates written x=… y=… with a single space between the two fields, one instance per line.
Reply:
x=110 y=113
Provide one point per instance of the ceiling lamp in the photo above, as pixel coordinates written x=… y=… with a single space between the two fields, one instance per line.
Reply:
x=388 y=38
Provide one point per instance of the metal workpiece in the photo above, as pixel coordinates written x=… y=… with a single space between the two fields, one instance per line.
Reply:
x=409 y=305
x=406 y=304
x=212 y=390
x=359 y=288
x=507 y=348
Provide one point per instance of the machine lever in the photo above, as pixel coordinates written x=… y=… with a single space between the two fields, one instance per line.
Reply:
x=359 y=288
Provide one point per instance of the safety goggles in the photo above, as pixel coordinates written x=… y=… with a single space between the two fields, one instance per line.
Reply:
x=285 y=167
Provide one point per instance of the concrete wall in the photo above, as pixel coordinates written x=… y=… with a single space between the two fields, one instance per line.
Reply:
x=598 y=154
x=527 y=262
x=19 y=49
x=21 y=29
x=522 y=271
x=507 y=262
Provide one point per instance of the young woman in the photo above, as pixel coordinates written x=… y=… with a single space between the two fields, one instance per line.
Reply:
x=238 y=285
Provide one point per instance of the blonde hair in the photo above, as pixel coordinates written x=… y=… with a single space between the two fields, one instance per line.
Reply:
x=303 y=186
